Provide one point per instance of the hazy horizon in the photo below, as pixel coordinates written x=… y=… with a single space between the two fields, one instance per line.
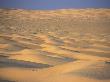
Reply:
x=54 y=4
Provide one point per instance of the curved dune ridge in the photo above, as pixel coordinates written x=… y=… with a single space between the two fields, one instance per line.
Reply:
x=54 y=54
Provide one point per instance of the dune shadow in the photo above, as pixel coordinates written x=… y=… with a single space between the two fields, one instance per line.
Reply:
x=99 y=71
x=5 y=62
x=4 y=80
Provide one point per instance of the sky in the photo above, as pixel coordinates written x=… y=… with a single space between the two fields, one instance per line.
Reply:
x=54 y=4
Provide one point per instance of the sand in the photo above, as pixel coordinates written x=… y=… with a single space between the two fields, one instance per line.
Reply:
x=54 y=55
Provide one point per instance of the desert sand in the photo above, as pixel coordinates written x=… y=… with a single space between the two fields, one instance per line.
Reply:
x=68 y=45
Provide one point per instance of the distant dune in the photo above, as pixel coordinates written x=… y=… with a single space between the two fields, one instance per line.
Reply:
x=67 y=45
x=60 y=21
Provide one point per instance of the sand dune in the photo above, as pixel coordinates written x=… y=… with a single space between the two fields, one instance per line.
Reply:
x=58 y=46
x=64 y=60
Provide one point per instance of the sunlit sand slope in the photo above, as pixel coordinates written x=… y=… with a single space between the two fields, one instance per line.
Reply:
x=35 y=48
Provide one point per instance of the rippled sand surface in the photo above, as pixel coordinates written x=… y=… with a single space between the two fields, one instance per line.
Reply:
x=54 y=56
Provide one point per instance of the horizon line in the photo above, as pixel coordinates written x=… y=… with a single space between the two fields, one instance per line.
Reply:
x=51 y=9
